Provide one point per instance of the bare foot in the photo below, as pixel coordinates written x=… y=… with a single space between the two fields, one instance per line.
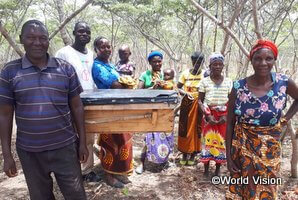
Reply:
x=113 y=181
x=122 y=178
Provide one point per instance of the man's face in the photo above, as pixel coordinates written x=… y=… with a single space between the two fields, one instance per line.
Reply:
x=35 y=39
x=82 y=33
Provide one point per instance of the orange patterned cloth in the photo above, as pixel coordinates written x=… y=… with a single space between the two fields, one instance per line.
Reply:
x=256 y=151
x=116 y=153
x=188 y=138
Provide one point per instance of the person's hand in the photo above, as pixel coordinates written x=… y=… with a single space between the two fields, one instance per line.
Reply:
x=211 y=120
x=157 y=84
x=283 y=122
x=83 y=153
x=222 y=120
x=231 y=165
x=9 y=167
x=190 y=96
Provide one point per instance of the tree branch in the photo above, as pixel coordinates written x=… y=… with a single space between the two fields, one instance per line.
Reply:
x=255 y=17
x=226 y=29
x=69 y=18
x=239 y=7
x=10 y=40
x=63 y=33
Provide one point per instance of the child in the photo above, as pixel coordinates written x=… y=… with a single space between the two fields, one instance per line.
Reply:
x=168 y=82
x=126 y=69
x=124 y=66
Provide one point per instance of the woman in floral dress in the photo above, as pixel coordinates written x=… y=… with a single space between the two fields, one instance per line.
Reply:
x=158 y=145
x=254 y=125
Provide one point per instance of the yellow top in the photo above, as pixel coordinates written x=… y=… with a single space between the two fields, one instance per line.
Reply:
x=169 y=85
x=190 y=82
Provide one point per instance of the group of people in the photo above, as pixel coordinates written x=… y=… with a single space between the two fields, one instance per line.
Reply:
x=235 y=122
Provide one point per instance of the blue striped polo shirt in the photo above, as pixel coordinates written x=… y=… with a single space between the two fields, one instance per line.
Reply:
x=41 y=102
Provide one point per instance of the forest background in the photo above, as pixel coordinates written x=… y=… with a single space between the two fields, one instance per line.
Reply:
x=175 y=27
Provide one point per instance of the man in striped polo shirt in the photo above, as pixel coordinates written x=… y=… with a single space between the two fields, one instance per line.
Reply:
x=43 y=92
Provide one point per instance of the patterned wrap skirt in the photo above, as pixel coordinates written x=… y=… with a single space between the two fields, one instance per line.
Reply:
x=256 y=152
x=213 y=137
x=188 y=138
x=159 y=146
x=116 y=153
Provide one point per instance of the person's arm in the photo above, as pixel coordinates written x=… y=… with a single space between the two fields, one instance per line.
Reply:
x=141 y=84
x=180 y=90
x=77 y=111
x=6 y=121
x=117 y=85
x=231 y=120
x=105 y=77
x=292 y=90
x=200 y=111
x=222 y=119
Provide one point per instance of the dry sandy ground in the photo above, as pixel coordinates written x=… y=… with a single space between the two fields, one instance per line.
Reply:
x=173 y=182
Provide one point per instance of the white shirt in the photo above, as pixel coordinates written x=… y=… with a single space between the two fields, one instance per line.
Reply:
x=82 y=64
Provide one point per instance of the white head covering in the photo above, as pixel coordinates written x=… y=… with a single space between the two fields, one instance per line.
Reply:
x=216 y=57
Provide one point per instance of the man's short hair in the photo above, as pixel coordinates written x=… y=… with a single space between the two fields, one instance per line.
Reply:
x=31 y=22
x=77 y=24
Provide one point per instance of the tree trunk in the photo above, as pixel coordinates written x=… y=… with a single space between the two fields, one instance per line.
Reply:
x=215 y=31
x=10 y=40
x=70 y=17
x=231 y=24
x=63 y=33
x=202 y=33
x=226 y=29
x=294 y=160
x=255 y=17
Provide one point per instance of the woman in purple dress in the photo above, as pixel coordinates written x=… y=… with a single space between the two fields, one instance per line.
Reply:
x=158 y=145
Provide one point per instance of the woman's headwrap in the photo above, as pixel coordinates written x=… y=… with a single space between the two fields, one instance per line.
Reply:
x=260 y=44
x=153 y=54
x=216 y=57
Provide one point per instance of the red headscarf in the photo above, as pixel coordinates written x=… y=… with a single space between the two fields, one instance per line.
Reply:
x=264 y=44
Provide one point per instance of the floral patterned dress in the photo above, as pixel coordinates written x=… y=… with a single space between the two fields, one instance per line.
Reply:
x=158 y=145
x=256 y=145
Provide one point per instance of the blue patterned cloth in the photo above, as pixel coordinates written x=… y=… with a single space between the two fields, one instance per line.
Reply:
x=261 y=111
x=159 y=146
x=104 y=74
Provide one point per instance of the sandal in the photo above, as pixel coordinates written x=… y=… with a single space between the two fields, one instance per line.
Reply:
x=139 y=169
x=92 y=177
x=182 y=162
x=190 y=162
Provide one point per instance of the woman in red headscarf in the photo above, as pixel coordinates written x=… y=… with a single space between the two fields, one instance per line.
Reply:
x=254 y=126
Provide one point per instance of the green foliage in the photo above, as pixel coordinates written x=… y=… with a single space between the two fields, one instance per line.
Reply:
x=172 y=26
